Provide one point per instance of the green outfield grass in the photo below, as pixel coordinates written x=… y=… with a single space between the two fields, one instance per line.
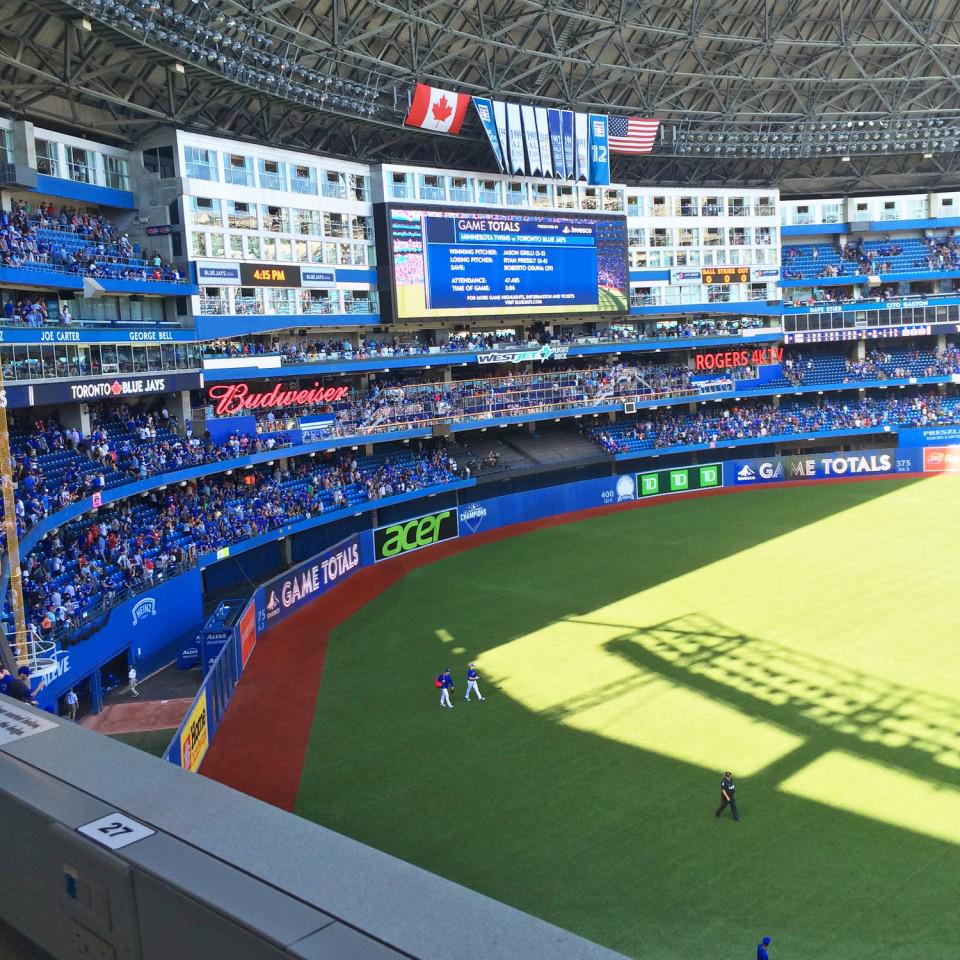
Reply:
x=803 y=638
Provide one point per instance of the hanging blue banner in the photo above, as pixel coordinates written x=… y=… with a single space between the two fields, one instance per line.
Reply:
x=484 y=109
x=569 y=153
x=543 y=136
x=500 y=119
x=599 y=150
x=532 y=140
x=555 y=125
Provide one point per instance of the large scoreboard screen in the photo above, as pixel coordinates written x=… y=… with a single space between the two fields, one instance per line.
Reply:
x=447 y=263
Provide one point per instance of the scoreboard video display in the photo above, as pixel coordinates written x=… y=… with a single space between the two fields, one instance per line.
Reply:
x=448 y=263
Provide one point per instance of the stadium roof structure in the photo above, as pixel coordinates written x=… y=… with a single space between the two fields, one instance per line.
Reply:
x=818 y=96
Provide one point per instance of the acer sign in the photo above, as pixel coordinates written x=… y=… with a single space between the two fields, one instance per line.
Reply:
x=725 y=359
x=231 y=398
x=398 y=538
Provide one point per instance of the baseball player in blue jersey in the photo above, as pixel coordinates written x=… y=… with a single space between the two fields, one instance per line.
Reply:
x=446 y=685
x=472 y=678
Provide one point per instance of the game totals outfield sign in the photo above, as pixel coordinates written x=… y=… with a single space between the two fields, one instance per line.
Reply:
x=656 y=483
x=409 y=535
x=311 y=579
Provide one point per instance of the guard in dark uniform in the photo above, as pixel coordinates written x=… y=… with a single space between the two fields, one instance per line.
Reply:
x=728 y=792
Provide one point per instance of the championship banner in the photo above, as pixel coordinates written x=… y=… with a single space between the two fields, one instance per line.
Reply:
x=543 y=136
x=484 y=108
x=532 y=141
x=546 y=142
x=515 y=131
x=569 y=153
x=555 y=129
x=500 y=118
x=581 y=143
x=599 y=151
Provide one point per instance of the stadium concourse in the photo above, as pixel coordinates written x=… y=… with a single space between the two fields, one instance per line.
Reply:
x=428 y=289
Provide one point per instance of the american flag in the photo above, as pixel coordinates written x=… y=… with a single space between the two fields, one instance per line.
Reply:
x=631 y=135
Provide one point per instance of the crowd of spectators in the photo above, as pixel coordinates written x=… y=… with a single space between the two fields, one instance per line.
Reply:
x=761 y=420
x=54 y=466
x=76 y=241
x=131 y=545
x=942 y=253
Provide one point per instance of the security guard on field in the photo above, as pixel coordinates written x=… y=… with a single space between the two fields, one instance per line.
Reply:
x=728 y=792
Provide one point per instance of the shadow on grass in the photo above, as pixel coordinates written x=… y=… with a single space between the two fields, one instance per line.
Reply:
x=839 y=708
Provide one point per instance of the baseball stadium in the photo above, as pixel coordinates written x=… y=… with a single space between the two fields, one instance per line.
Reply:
x=479 y=481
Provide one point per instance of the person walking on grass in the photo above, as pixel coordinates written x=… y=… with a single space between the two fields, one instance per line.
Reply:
x=762 y=949
x=445 y=683
x=472 y=687
x=728 y=792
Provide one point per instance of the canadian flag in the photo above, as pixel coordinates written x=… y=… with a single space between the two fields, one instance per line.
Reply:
x=436 y=109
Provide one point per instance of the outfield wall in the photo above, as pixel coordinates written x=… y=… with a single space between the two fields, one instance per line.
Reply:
x=419 y=527
x=150 y=625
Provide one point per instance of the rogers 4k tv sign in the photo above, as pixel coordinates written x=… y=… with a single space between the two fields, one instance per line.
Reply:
x=396 y=539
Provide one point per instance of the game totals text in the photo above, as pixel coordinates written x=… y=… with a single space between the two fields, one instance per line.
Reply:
x=480 y=263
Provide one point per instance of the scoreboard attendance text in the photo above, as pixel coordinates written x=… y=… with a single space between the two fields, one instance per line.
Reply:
x=656 y=483
x=712 y=276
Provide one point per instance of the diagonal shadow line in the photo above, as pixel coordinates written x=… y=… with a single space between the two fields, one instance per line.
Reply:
x=839 y=707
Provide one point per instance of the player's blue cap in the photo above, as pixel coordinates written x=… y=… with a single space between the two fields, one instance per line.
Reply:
x=766 y=941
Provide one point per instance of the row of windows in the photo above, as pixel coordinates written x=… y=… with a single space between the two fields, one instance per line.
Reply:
x=717 y=293
x=241 y=171
x=510 y=193
x=718 y=257
x=707 y=237
x=6 y=146
x=240 y=215
x=272 y=250
x=906 y=208
x=696 y=206
x=39 y=362
x=229 y=301
x=853 y=319
x=81 y=165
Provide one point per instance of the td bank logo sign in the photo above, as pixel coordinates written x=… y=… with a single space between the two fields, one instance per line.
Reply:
x=399 y=538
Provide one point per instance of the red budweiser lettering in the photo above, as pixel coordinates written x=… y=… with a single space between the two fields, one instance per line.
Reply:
x=232 y=398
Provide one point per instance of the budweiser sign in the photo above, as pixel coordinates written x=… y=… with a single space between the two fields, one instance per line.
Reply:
x=230 y=398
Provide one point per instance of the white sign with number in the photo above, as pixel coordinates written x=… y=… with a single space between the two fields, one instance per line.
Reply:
x=115 y=830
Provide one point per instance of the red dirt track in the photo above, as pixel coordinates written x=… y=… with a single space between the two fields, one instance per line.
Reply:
x=260 y=746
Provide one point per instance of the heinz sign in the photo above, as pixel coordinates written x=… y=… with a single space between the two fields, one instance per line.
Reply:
x=231 y=398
